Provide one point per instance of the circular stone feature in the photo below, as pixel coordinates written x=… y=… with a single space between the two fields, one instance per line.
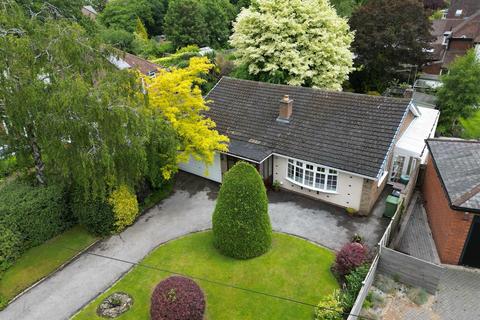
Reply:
x=177 y=298
x=114 y=305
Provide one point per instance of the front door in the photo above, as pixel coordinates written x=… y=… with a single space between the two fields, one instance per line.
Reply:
x=471 y=252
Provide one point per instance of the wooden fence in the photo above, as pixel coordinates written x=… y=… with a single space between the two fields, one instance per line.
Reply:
x=383 y=245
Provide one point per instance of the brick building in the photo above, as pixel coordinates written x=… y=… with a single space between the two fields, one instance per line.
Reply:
x=452 y=199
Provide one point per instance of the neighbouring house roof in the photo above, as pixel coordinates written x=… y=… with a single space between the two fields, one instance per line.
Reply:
x=346 y=131
x=412 y=142
x=129 y=61
x=468 y=7
x=458 y=164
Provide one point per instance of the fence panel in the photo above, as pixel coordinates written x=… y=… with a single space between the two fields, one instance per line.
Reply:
x=410 y=270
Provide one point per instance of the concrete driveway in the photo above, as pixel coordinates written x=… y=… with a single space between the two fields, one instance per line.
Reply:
x=189 y=209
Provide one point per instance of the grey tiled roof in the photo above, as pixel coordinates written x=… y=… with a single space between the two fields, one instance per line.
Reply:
x=346 y=131
x=458 y=164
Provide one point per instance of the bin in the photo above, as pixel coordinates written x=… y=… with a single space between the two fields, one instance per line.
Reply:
x=391 y=206
x=404 y=179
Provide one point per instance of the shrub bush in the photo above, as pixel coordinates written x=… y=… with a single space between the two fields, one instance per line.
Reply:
x=10 y=245
x=36 y=213
x=353 y=284
x=329 y=308
x=94 y=214
x=177 y=298
x=241 y=225
x=351 y=256
x=125 y=207
x=7 y=166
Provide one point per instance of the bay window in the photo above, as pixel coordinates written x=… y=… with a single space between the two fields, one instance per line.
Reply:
x=312 y=176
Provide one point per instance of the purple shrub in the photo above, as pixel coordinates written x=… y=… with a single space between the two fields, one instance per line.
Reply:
x=177 y=298
x=351 y=256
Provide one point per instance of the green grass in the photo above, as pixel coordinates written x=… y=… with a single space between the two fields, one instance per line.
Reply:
x=293 y=268
x=42 y=260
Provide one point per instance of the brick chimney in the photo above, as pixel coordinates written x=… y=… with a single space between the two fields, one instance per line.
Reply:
x=286 y=109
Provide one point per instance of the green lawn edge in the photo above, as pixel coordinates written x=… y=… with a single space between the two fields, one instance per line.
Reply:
x=298 y=269
x=39 y=262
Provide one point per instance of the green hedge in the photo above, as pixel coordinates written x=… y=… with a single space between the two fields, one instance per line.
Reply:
x=241 y=225
x=29 y=216
x=95 y=215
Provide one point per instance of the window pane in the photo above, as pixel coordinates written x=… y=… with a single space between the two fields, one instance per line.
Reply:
x=332 y=183
x=320 y=169
x=299 y=174
x=290 y=160
x=299 y=164
x=320 y=181
x=291 y=170
x=309 y=167
x=308 y=178
x=331 y=171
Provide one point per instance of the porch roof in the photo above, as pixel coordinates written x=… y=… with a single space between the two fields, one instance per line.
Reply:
x=412 y=143
x=251 y=150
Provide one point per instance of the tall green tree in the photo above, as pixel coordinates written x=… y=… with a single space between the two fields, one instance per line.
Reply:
x=185 y=23
x=218 y=15
x=459 y=97
x=295 y=42
x=67 y=110
x=390 y=35
x=123 y=14
x=345 y=8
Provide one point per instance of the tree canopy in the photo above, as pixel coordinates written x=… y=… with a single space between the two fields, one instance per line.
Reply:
x=123 y=14
x=390 y=36
x=200 y=22
x=175 y=96
x=66 y=109
x=295 y=42
x=459 y=96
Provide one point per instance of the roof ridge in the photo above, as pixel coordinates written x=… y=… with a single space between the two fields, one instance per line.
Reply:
x=467 y=196
x=453 y=140
x=469 y=19
x=383 y=98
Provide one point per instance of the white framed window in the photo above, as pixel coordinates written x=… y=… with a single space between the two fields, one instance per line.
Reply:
x=312 y=176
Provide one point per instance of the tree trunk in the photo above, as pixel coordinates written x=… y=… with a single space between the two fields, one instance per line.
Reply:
x=37 y=158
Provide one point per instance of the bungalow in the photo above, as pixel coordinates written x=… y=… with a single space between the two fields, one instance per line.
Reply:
x=338 y=147
x=451 y=192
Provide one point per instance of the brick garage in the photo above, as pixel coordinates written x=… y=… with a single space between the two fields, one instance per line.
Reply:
x=450 y=228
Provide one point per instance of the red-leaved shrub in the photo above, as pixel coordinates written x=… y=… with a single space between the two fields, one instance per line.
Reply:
x=177 y=298
x=351 y=256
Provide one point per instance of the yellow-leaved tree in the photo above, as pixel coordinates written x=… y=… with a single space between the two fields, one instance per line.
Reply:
x=175 y=95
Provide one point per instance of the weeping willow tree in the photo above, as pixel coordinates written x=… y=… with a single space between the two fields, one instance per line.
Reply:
x=64 y=108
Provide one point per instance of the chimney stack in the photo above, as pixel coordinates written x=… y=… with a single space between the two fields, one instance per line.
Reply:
x=286 y=109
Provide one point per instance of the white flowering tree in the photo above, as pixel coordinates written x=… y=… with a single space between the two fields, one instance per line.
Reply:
x=295 y=42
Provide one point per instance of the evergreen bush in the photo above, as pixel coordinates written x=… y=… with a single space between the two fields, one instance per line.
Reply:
x=241 y=225
x=125 y=207
x=94 y=214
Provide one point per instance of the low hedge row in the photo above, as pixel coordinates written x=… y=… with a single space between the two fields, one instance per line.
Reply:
x=29 y=216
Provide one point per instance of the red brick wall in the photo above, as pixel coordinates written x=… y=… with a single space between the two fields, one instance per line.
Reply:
x=449 y=227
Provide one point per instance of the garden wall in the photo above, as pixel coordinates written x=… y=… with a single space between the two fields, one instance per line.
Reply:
x=410 y=270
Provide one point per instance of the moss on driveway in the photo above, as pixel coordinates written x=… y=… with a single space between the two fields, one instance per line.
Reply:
x=294 y=268
x=42 y=260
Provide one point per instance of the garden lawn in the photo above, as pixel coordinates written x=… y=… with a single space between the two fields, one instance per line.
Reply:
x=42 y=260
x=293 y=268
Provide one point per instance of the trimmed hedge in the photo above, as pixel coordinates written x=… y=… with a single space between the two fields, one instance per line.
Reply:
x=177 y=298
x=94 y=214
x=29 y=216
x=241 y=225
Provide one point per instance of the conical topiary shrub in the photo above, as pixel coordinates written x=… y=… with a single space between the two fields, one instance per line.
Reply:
x=241 y=225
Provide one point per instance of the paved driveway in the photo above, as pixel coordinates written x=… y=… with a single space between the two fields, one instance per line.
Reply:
x=189 y=209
